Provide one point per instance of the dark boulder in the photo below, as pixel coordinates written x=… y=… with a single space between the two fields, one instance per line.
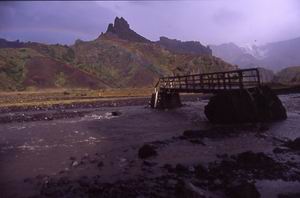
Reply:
x=116 y=113
x=147 y=151
x=295 y=144
x=289 y=195
x=240 y=106
x=243 y=190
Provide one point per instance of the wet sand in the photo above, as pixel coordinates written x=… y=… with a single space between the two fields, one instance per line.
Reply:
x=94 y=152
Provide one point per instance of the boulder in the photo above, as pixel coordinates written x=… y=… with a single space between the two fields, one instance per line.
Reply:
x=239 y=106
x=147 y=151
x=243 y=190
x=295 y=144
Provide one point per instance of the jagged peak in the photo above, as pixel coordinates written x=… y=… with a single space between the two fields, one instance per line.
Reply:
x=121 y=28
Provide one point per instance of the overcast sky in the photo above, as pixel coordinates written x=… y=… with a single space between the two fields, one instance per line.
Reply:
x=208 y=21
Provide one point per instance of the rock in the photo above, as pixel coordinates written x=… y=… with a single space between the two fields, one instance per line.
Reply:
x=238 y=106
x=116 y=113
x=72 y=158
x=100 y=164
x=150 y=164
x=289 y=195
x=168 y=167
x=201 y=172
x=279 y=150
x=243 y=190
x=184 y=189
x=147 y=151
x=193 y=133
x=75 y=163
x=181 y=169
x=122 y=29
x=295 y=144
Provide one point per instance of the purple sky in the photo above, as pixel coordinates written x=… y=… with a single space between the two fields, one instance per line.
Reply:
x=207 y=21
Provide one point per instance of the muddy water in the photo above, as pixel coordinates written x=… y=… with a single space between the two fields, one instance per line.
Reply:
x=37 y=148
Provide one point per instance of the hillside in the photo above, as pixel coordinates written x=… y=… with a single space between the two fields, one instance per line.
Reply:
x=187 y=47
x=117 y=58
x=290 y=75
x=234 y=54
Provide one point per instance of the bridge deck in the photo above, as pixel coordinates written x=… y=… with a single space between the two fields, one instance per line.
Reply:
x=211 y=82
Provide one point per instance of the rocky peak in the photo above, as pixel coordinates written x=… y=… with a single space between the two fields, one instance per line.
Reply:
x=122 y=29
x=121 y=23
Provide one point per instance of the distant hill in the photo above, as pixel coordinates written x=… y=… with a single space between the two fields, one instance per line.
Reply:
x=234 y=54
x=117 y=58
x=274 y=56
x=290 y=75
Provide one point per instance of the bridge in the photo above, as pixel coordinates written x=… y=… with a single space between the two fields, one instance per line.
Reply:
x=167 y=89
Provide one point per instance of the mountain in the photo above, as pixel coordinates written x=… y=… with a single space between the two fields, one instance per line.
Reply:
x=234 y=54
x=122 y=30
x=274 y=56
x=117 y=58
x=188 y=47
x=279 y=55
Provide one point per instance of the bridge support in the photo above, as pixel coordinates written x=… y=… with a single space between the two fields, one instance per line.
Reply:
x=259 y=104
x=165 y=100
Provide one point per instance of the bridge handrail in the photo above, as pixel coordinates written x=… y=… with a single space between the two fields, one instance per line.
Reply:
x=234 y=79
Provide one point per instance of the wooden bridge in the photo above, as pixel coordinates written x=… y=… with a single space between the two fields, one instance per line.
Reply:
x=167 y=89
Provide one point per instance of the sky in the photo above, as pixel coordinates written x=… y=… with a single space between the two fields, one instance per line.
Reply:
x=243 y=22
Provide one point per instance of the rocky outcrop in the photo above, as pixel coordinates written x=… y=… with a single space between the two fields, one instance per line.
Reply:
x=122 y=29
x=188 y=47
x=11 y=44
x=239 y=106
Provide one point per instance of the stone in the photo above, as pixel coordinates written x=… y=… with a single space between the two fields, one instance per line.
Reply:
x=75 y=163
x=243 y=190
x=116 y=113
x=295 y=144
x=289 y=195
x=122 y=29
x=147 y=151
x=239 y=106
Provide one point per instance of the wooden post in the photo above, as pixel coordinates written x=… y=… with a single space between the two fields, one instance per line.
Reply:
x=258 y=76
x=241 y=79
x=194 y=83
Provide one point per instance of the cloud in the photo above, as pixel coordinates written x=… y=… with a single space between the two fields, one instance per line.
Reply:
x=226 y=17
x=208 y=21
x=83 y=20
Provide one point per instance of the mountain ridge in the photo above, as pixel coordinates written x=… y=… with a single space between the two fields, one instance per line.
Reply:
x=118 y=58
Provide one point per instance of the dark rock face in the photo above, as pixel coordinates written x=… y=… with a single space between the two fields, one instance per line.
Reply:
x=122 y=30
x=256 y=105
x=243 y=190
x=188 y=47
x=147 y=151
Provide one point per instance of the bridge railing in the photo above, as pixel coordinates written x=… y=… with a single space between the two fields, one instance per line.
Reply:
x=210 y=82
